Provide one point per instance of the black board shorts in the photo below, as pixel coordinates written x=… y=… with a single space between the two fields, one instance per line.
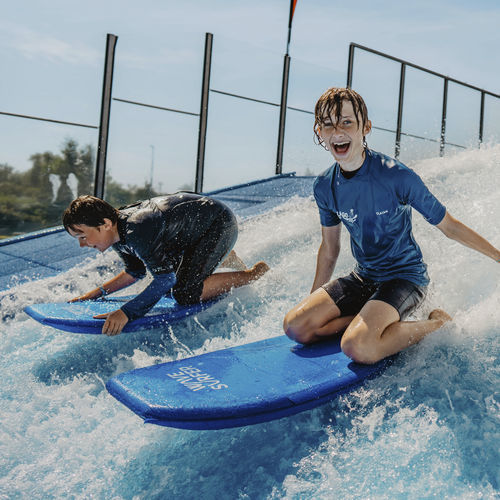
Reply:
x=200 y=261
x=350 y=293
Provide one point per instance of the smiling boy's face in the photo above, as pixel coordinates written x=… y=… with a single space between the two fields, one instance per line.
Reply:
x=344 y=137
x=100 y=237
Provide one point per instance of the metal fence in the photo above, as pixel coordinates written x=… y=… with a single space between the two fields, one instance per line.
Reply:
x=281 y=106
x=401 y=100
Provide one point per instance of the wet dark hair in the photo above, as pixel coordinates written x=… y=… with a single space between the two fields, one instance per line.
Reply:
x=88 y=210
x=330 y=104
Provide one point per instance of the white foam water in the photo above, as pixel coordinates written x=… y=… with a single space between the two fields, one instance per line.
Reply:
x=426 y=428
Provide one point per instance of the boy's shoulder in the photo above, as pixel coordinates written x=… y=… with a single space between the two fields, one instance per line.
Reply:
x=385 y=161
x=328 y=172
x=146 y=211
x=325 y=177
x=384 y=165
x=140 y=221
x=322 y=187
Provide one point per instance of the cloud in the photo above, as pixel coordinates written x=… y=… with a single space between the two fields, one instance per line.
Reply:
x=35 y=45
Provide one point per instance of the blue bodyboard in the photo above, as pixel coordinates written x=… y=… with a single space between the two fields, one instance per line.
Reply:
x=242 y=385
x=77 y=317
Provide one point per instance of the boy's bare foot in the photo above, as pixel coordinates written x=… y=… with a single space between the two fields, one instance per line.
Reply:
x=258 y=270
x=233 y=261
x=440 y=315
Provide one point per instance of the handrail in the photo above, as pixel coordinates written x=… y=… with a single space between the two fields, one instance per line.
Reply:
x=446 y=79
x=421 y=68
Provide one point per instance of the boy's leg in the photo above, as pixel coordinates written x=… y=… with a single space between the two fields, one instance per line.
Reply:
x=219 y=283
x=376 y=332
x=195 y=278
x=315 y=317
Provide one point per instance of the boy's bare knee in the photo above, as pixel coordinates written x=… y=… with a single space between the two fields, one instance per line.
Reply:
x=296 y=328
x=359 y=350
x=300 y=337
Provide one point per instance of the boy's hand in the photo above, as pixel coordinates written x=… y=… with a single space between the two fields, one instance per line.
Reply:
x=88 y=296
x=115 y=321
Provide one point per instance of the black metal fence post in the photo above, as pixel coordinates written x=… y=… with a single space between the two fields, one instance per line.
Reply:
x=283 y=105
x=481 y=119
x=402 y=76
x=107 y=87
x=202 y=130
x=350 y=65
x=442 y=141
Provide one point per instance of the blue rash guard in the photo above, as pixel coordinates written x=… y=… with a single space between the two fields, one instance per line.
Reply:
x=375 y=207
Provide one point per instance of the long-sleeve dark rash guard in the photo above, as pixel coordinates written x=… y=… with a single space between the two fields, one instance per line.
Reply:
x=154 y=234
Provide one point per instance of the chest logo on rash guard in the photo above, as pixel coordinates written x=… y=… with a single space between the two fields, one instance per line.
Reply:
x=348 y=217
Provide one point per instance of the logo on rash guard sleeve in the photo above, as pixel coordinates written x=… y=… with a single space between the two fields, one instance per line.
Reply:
x=348 y=217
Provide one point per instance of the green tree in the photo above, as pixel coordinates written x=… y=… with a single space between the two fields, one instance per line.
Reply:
x=39 y=176
x=85 y=170
x=28 y=201
x=118 y=195
x=27 y=198
x=76 y=162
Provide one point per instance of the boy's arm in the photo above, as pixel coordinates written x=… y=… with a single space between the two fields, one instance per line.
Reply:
x=327 y=255
x=139 y=305
x=121 y=280
x=458 y=231
x=142 y=303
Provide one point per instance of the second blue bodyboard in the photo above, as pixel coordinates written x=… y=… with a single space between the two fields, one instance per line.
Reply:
x=240 y=385
x=77 y=317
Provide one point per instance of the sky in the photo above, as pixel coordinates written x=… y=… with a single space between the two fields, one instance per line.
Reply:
x=53 y=56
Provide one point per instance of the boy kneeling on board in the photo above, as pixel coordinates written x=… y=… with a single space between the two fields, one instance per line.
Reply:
x=373 y=196
x=180 y=239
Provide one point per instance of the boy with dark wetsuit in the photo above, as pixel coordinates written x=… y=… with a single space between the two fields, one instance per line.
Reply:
x=372 y=196
x=180 y=239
